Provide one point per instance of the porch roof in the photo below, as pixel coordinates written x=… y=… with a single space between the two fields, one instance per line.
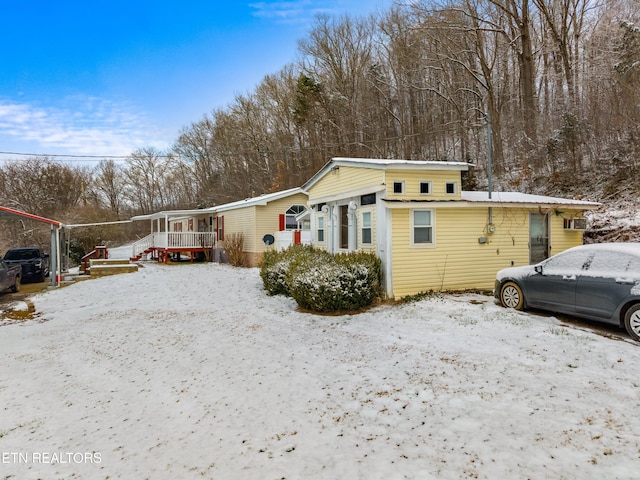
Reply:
x=172 y=213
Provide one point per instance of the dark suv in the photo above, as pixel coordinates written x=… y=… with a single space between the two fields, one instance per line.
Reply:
x=34 y=262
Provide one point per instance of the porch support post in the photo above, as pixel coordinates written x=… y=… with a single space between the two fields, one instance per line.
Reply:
x=352 y=240
x=53 y=257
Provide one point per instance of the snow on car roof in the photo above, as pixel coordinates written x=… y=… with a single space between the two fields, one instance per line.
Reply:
x=630 y=248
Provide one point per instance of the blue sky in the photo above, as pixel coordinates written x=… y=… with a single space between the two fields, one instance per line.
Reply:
x=105 y=77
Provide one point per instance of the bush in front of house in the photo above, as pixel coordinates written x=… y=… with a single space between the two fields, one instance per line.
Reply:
x=233 y=245
x=275 y=266
x=322 y=282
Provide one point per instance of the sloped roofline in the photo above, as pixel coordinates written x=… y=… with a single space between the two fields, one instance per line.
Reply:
x=7 y=212
x=260 y=200
x=247 y=202
x=384 y=164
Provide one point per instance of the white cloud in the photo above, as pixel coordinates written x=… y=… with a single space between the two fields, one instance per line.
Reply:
x=78 y=125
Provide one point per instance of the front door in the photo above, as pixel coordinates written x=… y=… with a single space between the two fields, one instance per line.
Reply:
x=344 y=227
x=538 y=237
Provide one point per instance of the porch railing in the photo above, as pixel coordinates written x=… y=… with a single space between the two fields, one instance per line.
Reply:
x=286 y=238
x=174 y=240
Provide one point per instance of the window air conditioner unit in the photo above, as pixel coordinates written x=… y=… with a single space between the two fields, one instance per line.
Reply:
x=579 y=223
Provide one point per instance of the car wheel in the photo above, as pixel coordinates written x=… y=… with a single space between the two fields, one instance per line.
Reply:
x=16 y=285
x=511 y=296
x=632 y=321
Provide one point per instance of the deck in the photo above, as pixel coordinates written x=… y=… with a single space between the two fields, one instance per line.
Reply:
x=161 y=244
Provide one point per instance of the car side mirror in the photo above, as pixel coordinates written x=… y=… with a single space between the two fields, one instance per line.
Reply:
x=538 y=269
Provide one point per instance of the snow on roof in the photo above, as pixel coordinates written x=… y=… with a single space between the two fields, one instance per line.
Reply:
x=259 y=200
x=382 y=163
x=389 y=162
x=524 y=198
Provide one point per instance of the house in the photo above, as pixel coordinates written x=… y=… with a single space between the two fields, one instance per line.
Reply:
x=428 y=232
x=194 y=232
x=176 y=232
x=270 y=214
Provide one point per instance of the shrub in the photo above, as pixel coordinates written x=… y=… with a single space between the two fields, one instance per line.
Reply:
x=275 y=265
x=322 y=282
x=233 y=245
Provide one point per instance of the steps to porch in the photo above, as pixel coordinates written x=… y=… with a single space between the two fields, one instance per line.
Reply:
x=98 y=264
x=103 y=267
x=161 y=245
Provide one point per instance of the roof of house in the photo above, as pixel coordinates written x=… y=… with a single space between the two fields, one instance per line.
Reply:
x=478 y=198
x=384 y=164
x=256 y=201
x=523 y=198
x=172 y=213
x=247 y=202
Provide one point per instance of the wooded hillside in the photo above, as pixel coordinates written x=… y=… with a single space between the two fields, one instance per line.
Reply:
x=556 y=82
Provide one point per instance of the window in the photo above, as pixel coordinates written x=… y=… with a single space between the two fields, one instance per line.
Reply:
x=451 y=188
x=368 y=199
x=425 y=188
x=220 y=227
x=422 y=226
x=290 y=216
x=320 y=229
x=398 y=187
x=609 y=263
x=366 y=228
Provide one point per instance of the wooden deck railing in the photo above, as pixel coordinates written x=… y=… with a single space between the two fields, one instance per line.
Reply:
x=174 y=240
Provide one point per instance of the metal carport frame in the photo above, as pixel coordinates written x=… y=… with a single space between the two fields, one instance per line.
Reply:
x=56 y=227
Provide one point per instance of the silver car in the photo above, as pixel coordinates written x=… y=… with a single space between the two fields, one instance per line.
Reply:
x=597 y=282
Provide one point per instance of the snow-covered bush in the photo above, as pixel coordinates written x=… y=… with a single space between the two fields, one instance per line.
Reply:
x=322 y=282
x=275 y=265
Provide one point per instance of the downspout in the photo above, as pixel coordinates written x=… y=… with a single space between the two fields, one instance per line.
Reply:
x=489 y=166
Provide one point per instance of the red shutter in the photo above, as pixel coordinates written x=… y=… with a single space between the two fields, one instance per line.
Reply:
x=282 y=222
x=297 y=240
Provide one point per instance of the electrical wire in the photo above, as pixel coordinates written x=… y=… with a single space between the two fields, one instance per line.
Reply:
x=60 y=155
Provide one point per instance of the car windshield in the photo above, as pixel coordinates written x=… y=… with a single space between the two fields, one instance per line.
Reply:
x=21 y=254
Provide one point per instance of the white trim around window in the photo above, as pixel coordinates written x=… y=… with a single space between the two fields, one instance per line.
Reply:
x=422 y=233
x=321 y=231
x=399 y=183
x=425 y=185
x=454 y=187
x=366 y=228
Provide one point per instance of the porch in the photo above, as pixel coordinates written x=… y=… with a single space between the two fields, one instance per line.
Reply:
x=161 y=245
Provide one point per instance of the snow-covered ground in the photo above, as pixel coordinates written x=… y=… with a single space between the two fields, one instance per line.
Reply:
x=191 y=371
